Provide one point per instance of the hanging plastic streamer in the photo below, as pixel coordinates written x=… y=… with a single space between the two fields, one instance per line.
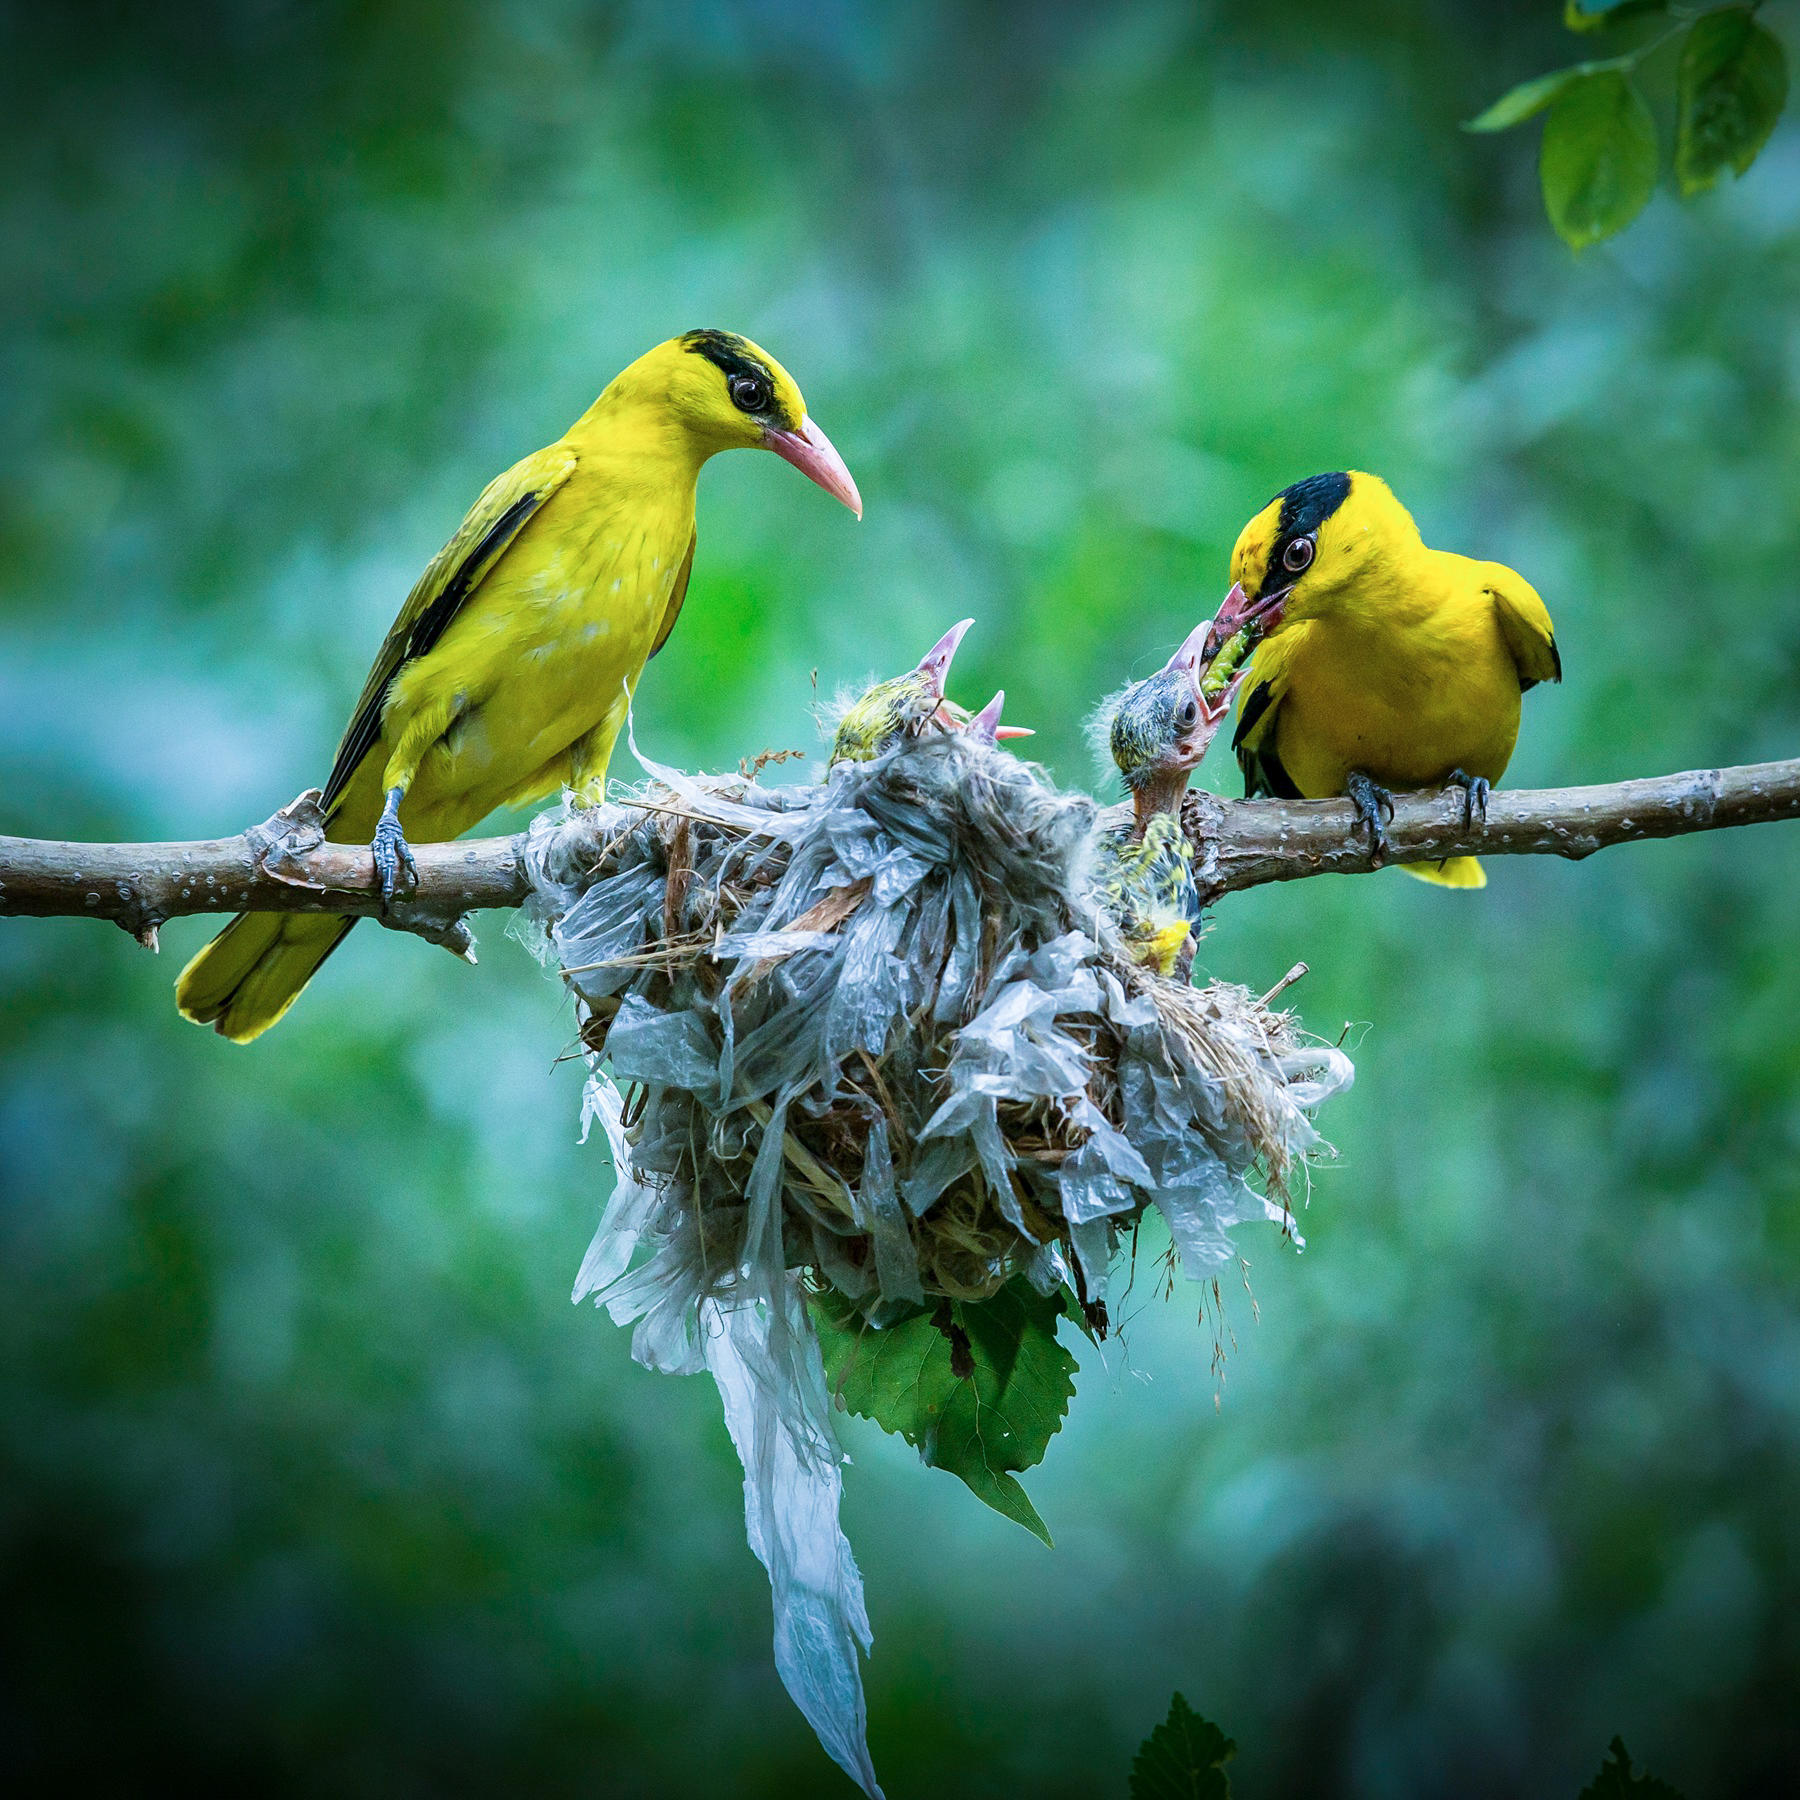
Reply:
x=877 y=1034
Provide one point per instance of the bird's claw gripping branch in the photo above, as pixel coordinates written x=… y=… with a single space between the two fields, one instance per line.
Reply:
x=286 y=847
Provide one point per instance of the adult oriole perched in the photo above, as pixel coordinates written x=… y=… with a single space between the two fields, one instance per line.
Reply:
x=1382 y=664
x=512 y=663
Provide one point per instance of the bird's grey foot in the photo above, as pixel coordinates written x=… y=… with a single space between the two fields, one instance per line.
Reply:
x=392 y=852
x=1475 y=791
x=1373 y=803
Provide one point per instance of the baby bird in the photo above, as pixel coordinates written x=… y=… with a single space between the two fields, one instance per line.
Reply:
x=904 y=707
x=1157 y=731
x=1382 y=663
x=909 y=705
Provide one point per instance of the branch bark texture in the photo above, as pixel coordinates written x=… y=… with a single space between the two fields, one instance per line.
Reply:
x=1244 y=843
x=286 y=866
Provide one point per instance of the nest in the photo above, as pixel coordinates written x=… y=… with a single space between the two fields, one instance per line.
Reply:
x=879 y=1029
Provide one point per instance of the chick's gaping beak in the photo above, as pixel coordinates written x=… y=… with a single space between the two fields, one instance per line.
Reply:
x=1186 y=660
x=812 y=453
x=1239 y=610
x=958 y=718
x=985 y=726
x=1212 y=712
x=934 y=665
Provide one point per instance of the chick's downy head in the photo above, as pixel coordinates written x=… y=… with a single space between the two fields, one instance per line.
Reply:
x=1157 y=730
x=903 y=707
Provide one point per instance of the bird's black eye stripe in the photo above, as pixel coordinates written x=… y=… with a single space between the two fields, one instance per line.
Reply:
x=1308 y=504
x=749 y=383
x=1304 y=509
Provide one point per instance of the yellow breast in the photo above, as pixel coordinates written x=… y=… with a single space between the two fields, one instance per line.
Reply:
x=544 y=653
x=1405 y=695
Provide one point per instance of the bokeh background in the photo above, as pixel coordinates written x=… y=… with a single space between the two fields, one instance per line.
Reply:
x=311 y=1480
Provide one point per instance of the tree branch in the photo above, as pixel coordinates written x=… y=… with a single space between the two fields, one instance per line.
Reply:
x=282 y=865
x=285 y=865
x=1244 y=843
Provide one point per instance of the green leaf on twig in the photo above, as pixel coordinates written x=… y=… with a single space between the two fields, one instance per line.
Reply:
x=1523 y=102
x=1733 y=85
x=977 y=1387
x=1182 y=1759
x=1617 y=1782
x=1598 y=159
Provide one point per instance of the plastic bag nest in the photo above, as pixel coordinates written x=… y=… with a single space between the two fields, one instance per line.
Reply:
x=877 y=1028
x=876 y=1033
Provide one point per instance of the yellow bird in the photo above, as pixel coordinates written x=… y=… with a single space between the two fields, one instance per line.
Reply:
x=1382 y=664
x=510 y=668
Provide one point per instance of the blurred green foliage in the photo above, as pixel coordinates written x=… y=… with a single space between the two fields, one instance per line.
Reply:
x=311 y=1482
x=1599 y=158
x=1184 y=1758
x=1617 y=1780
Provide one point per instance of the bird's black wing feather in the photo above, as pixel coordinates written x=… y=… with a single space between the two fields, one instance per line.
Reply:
x=441 y=593
x=1262 y=768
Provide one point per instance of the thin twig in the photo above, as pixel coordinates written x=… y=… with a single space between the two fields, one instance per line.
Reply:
x=1286 y=982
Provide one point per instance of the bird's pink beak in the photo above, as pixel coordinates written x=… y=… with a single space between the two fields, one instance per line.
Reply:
x=985 y=726
x=1237 y=611
x=935 y=666
x=812 y=453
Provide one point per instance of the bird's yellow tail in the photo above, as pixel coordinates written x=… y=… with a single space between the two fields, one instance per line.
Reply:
x=253 y=971
x=1453 y=871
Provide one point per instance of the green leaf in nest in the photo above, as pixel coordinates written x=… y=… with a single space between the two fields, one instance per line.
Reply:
x=977 y=1387
x=1597 y=15
x=1617 y=1782
x=1182 y=1759
x=1523 y=102
x=1733 y=85
x=1598 y=159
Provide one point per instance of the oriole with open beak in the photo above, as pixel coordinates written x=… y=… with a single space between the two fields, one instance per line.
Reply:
x=1380 y=663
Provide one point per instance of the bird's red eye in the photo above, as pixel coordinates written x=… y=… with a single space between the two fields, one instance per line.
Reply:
x=1297 y=555
x=749 y=393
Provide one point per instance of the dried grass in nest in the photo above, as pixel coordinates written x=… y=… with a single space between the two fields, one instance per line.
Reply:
x=903 y=972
